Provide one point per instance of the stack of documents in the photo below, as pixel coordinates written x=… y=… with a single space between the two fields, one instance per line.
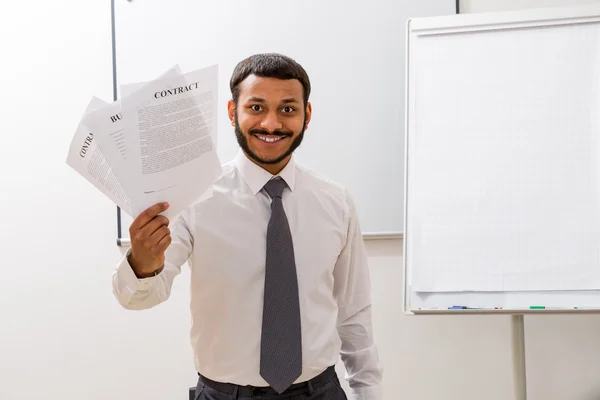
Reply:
x=156 y=143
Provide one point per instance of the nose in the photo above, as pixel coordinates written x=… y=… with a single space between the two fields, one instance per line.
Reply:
x=271 y=122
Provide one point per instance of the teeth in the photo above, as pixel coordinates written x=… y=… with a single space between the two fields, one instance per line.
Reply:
x=269 y=139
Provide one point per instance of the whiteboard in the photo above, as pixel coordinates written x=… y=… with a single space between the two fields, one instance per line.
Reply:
x=353 y=51
x=503 y=162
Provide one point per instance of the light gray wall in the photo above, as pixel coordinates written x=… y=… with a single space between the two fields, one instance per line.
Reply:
x=469 y=357
x=63 y=336
x=472 y=6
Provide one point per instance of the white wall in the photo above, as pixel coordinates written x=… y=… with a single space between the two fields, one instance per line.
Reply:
x=63 y=336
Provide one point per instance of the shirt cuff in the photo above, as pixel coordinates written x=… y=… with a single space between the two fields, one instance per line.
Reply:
x=128 y=278
x=371 y=392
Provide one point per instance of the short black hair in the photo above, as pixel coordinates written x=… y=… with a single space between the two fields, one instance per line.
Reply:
x=268 y=65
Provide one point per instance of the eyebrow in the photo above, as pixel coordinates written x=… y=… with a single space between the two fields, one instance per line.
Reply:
x=261 y=100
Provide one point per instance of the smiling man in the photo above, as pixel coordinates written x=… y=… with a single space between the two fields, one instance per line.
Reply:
x=280 y=284
x=272 y=114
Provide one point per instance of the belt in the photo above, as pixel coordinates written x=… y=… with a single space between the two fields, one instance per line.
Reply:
x=249 y=391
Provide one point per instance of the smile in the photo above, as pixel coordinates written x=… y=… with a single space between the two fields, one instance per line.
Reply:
x=270 y=139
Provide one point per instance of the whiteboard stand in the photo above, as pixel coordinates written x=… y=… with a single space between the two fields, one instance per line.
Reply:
x=517 y=326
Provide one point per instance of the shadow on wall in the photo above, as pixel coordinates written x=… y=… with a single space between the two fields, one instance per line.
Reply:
x=594 y=394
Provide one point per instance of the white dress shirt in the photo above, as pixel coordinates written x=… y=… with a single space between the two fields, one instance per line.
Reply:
x=223 y=238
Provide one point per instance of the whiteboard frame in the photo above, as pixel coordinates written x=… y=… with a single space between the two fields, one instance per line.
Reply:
x=466 y=23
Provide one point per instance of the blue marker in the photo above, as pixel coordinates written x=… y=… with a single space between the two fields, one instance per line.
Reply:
x=457 y=308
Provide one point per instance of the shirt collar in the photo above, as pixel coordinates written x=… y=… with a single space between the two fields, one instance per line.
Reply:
x=256 y=177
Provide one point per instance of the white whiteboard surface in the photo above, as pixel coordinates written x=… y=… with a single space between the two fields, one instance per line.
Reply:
x=503 y=162
x=353 y=51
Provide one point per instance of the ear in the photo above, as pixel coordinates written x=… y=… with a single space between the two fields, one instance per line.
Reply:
x=308 y=115
x=231 y=111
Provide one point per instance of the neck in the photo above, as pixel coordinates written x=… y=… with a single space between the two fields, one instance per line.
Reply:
x=273 y=169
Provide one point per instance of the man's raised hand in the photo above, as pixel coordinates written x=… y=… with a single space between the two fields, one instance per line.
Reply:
x=150 y=237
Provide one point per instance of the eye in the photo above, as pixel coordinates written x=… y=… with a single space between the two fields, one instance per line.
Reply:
x=255 y=107
x=288 y=109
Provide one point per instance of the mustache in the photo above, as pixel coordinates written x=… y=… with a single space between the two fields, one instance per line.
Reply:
x=263 y=132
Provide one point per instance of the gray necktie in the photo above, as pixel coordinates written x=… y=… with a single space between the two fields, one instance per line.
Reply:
x=281 y=341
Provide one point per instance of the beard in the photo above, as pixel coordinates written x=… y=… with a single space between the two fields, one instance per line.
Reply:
x=242 y=140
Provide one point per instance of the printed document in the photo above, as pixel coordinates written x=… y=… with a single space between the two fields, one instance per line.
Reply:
x=155 y=144
x=171 y=151
x=86 y=157
x=111 y=136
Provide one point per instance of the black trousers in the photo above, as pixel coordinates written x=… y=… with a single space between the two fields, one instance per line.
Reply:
x=325 y=386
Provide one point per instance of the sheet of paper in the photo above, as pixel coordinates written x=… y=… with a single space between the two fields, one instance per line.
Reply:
x=171 y=152
x=108 y=124
x=129 y=88
x=86 y=157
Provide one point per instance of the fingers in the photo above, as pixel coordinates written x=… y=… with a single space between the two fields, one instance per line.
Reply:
x=164 y=243
x=144 y=234
x=150 y=237
x=147 y=215
x=158 y=236
x=154 y=225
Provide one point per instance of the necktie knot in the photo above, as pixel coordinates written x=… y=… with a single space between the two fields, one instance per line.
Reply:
x=275 y=187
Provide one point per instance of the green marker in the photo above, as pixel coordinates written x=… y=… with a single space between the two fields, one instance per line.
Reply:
x=536 y=307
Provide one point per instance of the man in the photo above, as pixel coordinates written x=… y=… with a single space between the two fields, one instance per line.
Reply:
x=279 y=275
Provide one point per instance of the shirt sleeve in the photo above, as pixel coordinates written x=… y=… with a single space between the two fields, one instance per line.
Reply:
x=353 y=294
x=139 y=294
